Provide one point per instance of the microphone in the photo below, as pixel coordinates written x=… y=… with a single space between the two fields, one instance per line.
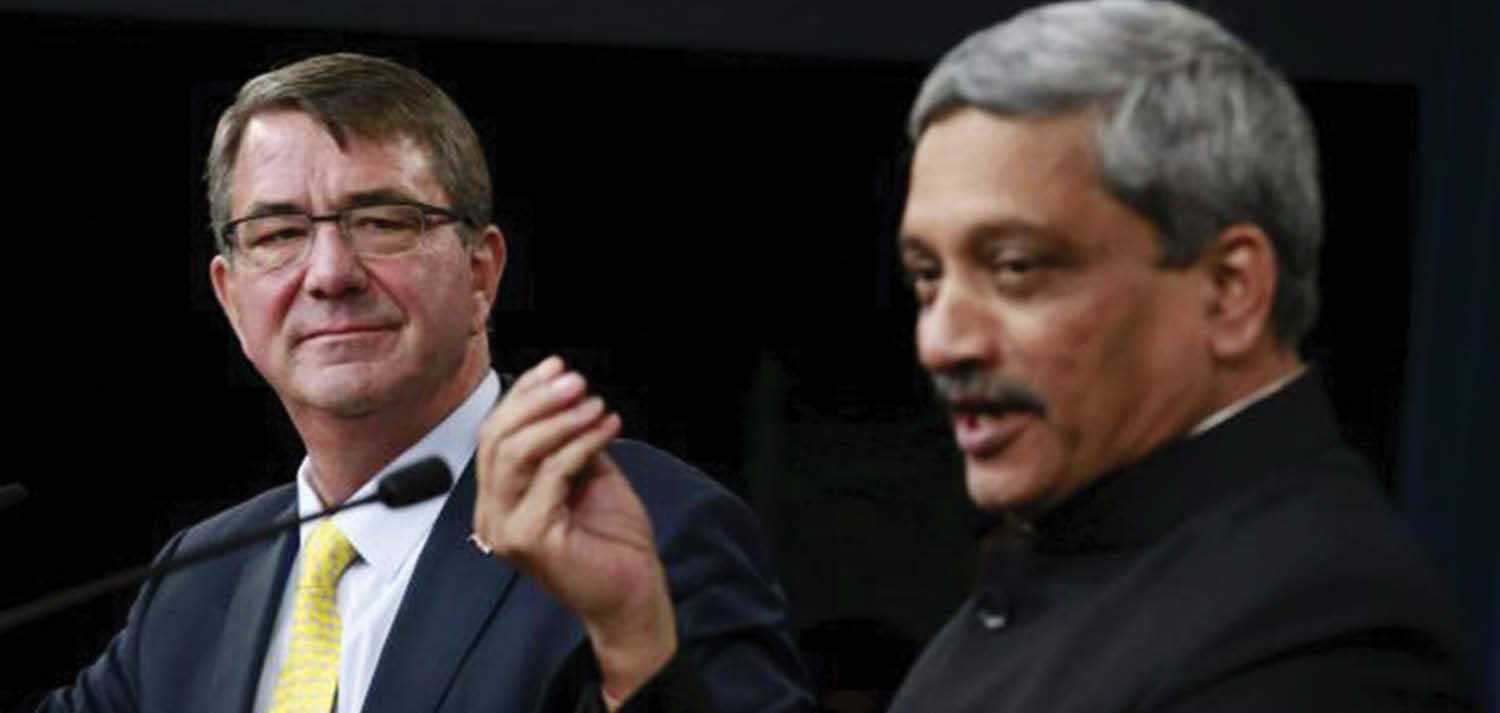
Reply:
x=409 y=485
x=414 y=483
x=11 y=494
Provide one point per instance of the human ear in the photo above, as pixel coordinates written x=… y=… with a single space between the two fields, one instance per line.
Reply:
x=1243 y=268
x=219 y=271
x=486 y=265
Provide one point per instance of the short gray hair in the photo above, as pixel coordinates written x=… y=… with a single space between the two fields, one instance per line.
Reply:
x=1194 y=130
x=371 y=98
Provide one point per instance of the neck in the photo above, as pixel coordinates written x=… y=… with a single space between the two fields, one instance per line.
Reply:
x=1241 y=380
x=347 y=451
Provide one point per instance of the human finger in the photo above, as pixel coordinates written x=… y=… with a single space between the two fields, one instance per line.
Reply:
x=538 y=373
x=503 y=462
x=506 y=467
x=511 y=465
x=549 y=490
x=519 y=408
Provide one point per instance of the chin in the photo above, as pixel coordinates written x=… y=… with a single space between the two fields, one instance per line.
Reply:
x=351 y=405
x=1025 y=479
x=349 y=393
x=997 y=487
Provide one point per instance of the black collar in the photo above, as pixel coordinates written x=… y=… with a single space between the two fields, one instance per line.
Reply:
x=1141 y=502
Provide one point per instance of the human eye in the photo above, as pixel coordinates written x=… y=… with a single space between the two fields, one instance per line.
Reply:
x=273 y=231
x=1017 y=268
x=386 y=220
x=384 y=229
x=922 y=274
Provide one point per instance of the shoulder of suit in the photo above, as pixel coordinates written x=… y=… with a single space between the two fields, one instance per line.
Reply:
x=670 y=486
x=1316 y=541
x=256 y=512
x=648 y=466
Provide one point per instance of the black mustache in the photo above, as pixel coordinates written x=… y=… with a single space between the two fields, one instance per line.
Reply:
x=986 y=391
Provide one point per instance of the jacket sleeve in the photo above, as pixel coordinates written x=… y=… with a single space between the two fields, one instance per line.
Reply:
x=730 y=611
x=677 y=688
x=735 y=652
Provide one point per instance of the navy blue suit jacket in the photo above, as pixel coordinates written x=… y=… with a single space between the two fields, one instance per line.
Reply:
x=471 y=634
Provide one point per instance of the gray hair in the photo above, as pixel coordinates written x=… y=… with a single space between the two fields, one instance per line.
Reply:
x=371 y=98
x=1194 y=130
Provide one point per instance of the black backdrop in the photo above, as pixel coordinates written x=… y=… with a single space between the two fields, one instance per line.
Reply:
x=708 y=235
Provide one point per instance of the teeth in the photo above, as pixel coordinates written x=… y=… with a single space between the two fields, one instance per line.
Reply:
x=974 y=419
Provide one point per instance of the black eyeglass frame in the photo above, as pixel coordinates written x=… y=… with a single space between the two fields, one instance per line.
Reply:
x=226 y=231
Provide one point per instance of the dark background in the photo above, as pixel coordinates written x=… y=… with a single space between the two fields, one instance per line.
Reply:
x=700 y=201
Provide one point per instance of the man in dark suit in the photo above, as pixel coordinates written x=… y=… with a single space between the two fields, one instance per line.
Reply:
x=357 y=266
x=1112 y=235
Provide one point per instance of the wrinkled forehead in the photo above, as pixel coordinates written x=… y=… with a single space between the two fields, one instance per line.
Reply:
x=288 y=156
x=972 y=160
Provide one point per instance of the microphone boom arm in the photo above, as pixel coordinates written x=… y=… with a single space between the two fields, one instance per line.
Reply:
x=412 y=484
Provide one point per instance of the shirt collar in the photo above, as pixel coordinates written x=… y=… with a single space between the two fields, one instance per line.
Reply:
x=386 y=537
x=1225 y=413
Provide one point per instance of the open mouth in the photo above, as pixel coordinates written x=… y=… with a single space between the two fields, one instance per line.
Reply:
x=990 y=410
x=985 y=428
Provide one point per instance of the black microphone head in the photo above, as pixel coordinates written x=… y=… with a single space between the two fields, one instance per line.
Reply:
x=414 y=483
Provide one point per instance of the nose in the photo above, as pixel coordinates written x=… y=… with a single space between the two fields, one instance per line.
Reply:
x=333 y=269
x=960 y=328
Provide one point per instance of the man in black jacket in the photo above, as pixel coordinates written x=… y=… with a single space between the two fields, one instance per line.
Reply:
x=1112 y=235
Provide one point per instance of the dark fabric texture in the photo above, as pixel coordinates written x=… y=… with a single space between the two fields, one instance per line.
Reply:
x=677 y=688
x=1256 y=567
x=471 y=634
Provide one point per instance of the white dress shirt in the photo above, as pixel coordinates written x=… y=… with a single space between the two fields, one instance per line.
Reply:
x=389 y=543
x=1224 y=414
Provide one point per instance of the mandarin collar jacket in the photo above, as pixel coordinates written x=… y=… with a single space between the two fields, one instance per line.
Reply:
x=1255 y=567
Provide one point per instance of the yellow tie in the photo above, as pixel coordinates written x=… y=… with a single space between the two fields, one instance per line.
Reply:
x=310 y=675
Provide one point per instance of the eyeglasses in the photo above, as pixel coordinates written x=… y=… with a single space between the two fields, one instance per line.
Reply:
x=268 y=242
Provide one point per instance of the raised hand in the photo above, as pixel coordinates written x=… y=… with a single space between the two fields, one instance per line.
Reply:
x=552 y=502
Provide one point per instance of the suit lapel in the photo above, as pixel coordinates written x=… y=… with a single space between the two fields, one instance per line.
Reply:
x=248 y=622
x=452 y=594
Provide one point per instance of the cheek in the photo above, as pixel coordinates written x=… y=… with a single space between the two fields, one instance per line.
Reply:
x=262 y=312
x=1060 y=348
x=480 y=312
x=1126 y=360
x=1083 y=355
x=435 y=291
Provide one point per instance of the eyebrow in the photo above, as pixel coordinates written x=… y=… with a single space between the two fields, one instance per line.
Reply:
x=376 y=196
x=259 y=209
x=987 y=230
